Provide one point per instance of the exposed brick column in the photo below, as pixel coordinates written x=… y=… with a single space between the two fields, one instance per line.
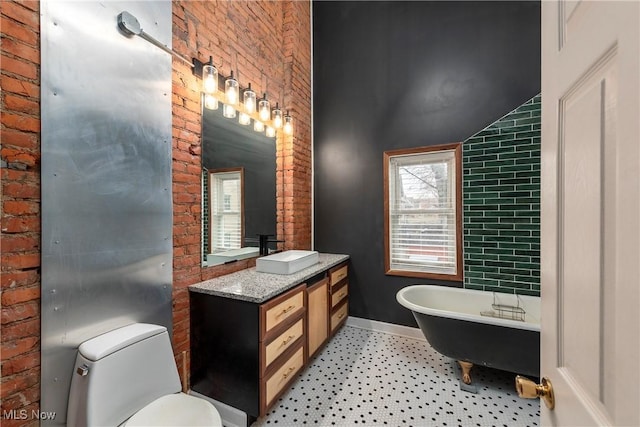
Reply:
x=20 y=207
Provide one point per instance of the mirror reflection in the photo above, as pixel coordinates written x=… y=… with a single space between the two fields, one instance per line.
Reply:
x=239 y=188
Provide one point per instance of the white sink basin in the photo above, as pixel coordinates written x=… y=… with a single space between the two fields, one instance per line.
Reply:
x=287 y=262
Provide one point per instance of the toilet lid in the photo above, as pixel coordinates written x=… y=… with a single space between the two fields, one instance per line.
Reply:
x=177 y=409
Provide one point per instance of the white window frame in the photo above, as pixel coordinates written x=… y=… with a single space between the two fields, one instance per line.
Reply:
x=401 y=258
x=226 y=223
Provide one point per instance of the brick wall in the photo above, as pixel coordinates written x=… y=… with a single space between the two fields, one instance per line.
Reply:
x=20 y=208
x=266 y=42
x=501 y=204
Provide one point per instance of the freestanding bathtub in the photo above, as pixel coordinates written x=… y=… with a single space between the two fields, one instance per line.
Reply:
x=451 y=321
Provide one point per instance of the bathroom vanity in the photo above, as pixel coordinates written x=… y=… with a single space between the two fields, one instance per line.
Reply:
x=252 y=332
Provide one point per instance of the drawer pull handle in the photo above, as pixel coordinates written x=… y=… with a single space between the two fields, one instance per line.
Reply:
x=286 y=310
x=341 y=315
x=285 y=342
x=341 y=295
x=286 y=374
x=341 y=276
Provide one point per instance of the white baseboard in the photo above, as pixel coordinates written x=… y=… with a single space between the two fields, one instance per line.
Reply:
x=388 y=328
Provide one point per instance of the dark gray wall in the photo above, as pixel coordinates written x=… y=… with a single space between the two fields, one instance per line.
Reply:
x=391 y=75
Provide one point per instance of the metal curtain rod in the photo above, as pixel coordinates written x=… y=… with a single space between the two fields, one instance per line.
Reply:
x=130 y=26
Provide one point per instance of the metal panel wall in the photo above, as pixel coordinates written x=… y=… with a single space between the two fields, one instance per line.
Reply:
x=106 y=179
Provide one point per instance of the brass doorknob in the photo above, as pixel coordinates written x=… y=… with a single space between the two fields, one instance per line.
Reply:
x=528 y=389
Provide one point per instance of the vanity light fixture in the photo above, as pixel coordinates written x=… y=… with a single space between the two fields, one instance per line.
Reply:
x=244 y=118
x=231 y=89
x=288 y=124
x=249 y=100
x=209 y=77
x=277 y=117
x=270 y=132
x=264 y=109
x=258 y=126
x=210 y=102
x=228 y=111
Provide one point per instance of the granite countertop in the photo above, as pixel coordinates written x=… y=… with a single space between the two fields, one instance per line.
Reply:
x=253 y=286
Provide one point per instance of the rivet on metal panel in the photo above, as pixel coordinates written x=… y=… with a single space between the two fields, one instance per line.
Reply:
x=56 y=308
x=53 y=291
x=57 y=242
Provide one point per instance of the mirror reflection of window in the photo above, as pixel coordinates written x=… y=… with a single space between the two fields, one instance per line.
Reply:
x=226 y=209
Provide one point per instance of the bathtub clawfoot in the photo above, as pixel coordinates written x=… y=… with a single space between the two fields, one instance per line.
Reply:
x=466 y=371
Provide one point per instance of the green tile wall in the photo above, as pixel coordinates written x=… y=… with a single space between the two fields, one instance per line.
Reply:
x=501 y=204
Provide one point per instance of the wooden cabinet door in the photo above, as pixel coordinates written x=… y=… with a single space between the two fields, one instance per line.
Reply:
x=318 y=315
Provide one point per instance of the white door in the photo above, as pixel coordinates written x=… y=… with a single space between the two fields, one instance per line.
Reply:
x=590 y=211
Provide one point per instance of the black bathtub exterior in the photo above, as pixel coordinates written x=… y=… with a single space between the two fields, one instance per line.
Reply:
x=501 y=347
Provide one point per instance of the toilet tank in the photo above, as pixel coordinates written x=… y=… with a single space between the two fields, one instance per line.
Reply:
x=118 y=373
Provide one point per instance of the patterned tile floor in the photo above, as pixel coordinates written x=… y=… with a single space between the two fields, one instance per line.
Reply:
x=372 y=378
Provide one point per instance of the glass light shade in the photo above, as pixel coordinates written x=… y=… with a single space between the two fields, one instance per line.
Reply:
x=209 y=79
x=244 y=119
x=270 y=132
x=288 y=124
x=249 y=100
x=277 y=117
x=264 y=109
x=258 y=126
x=231 y=90
x=210 y=102
x=228 y=111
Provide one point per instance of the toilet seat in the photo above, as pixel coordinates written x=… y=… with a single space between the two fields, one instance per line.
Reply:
x=177 y=409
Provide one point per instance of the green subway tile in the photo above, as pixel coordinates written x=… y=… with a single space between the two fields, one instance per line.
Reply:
x=527 y=265
x=517 y=246
x=515 y=233
x=486 y=182
x=499 y=289
x=488 y=282
x=527 y=252
x=516 y=181
x=502 y=175
x=529 y=107
x=474 y=177
x=507 y=156
x=527 y=121
x=528 y=134
x=499 y=276
x=506 y=122
x=484 y=170
x=500 y=252
x=529 y=147
x=474 y=190
x=513 y=207
x=475 y=274
x=486 y=270
x=472 y=140
x=514 y=258
x=501 y=188
x=503 y=264
x=473 y=262
x=501 y=226
x=532 y=213
x=527 y=160
x=472 y=164
x=486 y=158
x=486 y=132
x=499 y=215
x=524 y=187
x=515 y=129
x=532 y=240
x=527 y=226
x=501 y=137
x=515 y=285
x=527 y=279
x=515 y=271
x=515 y=220
x=473 y=238
x=499 y=150
x=536 y=126
x=499 y=201
x=473 y=250
x=500 y=163
x=518 y=115
x=528 y=292
x=512 y=194
x=474 y=287
x=498 y=238
x=518 y=144
x=483 y=208
x=517 y=168
x=484 y=232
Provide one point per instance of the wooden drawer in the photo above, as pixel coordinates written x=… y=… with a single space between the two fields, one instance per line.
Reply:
x=276 y=382
x=281 y=343
x=338 y=273
x=339 y=295
x=339 y=316
x=281 y=309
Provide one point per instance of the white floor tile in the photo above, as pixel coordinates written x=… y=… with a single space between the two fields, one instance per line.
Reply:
x=372 y=378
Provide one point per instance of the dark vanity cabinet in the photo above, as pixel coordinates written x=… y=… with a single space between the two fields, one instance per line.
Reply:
x=246 y=354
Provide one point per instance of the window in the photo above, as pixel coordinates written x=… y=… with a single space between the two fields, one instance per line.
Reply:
x=226 y=210
x=423 y=205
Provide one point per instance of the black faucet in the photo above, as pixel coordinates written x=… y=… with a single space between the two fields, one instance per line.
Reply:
x=264 y=243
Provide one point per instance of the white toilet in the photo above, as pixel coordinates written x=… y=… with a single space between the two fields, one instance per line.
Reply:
x=128 y=377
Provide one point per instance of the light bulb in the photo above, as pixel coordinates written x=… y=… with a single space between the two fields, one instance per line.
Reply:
x=277 y=117
x=209 y=77
x=249 y=100
x=270 y=132
x=258 y=126
x=228 y=111
x=264 y=109
x=288 y=124
x=231 y=89
x=244 y=119
x=210 y=102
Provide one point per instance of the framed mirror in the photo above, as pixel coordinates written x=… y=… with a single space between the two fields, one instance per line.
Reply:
x=239 y=188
